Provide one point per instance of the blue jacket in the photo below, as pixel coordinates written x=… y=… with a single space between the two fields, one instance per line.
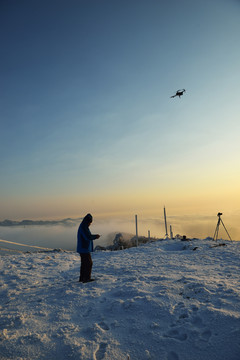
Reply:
x=85 y=238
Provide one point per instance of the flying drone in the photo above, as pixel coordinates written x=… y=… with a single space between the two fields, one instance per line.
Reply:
x=179 y=93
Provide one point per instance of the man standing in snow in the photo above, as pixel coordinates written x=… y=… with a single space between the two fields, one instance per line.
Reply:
x=85 y=247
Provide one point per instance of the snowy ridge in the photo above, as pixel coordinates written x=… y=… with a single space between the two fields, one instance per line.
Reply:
x=67 y=222
x=166 y=300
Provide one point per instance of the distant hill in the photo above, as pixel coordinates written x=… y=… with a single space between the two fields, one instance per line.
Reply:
x=67 y=222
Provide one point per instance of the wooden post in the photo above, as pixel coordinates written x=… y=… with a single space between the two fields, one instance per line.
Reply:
x=136 y=230
x=165 y=218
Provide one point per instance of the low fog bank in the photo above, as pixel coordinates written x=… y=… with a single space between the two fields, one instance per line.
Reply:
x=52 y=236
x=63 y=233
x=192 y=226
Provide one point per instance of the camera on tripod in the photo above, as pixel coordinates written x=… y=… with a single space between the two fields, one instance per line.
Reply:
x=215 y=237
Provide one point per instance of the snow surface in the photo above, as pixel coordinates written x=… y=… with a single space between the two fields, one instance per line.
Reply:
x=166 y=300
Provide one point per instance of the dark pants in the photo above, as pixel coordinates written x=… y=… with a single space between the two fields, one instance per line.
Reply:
x=86 y=267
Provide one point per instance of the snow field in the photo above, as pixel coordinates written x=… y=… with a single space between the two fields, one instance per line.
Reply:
x=166 y=300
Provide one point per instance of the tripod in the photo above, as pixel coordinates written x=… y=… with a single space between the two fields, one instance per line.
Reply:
x=217 y=228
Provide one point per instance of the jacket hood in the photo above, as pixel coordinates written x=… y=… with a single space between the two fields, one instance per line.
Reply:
x=87 y=219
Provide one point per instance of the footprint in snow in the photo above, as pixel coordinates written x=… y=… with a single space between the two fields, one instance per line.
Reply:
x=103 y=325
x=194 y=308
x=206 y=335
x=183 y=316
x=172 y=356
x=100 y=352
x=197 y=321
x=175 y=334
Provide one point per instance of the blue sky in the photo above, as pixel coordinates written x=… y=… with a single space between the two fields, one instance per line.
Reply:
x=87 y=121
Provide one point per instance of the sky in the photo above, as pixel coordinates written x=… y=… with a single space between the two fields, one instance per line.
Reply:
x=87 y=119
